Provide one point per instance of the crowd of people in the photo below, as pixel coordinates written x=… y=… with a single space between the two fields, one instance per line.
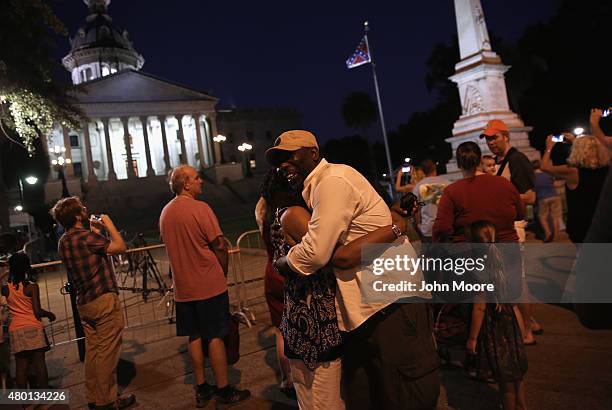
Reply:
x=334 y=350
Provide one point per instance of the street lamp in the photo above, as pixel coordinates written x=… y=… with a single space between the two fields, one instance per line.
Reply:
x=220 y=139
x=58 y=165
x=245 y=148
x=31 y=180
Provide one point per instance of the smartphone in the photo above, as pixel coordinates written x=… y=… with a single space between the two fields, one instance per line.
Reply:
x=605 y=113
x=405 y=170
x=557 y=138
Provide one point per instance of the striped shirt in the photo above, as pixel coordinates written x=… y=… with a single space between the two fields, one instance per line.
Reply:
x=87 y=264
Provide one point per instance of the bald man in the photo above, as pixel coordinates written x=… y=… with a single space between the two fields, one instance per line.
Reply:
x=199 y=258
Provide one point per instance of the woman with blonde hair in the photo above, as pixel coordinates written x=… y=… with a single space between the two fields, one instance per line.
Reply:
x=584 y=175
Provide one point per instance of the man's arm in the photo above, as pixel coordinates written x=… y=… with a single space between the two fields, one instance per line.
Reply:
x=597 y=131
x=219 y=248
x=333 y=203
x=117 y=244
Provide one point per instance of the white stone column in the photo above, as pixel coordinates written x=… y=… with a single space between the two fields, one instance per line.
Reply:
x=212 y=117
x=91 y=176
x=128 y=148
x=162 y=121
x=68 y=168
x=179 y=119
x=201 y=152
x=112 y=175
x=145 y=135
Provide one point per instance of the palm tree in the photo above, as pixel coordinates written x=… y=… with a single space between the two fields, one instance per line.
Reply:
x=359 y=112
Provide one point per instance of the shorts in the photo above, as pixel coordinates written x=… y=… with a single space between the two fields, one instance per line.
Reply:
x=208 y=318
x=28 y=338
x=548 y=207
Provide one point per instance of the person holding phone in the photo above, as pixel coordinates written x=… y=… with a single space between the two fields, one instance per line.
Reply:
x=85 y=253
x=595 y=118
x=584 y=175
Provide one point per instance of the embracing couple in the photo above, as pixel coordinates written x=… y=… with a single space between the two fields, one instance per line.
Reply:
x=344 y=351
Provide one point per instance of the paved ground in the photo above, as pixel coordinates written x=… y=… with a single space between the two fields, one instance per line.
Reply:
x=569 y=368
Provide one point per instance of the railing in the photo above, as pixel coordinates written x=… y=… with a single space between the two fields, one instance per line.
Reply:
x=145 y=292
x=249 y=247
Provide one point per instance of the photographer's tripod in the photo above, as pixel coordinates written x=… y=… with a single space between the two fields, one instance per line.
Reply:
x=141 y=264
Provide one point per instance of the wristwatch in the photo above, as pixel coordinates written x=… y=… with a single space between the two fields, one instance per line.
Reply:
x=396 y=230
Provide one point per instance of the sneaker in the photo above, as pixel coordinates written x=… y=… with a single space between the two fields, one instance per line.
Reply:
x=125 y=401
x=234 y=397
x=203 y=395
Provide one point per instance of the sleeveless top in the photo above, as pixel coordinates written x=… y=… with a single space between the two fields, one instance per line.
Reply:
x=20 y=306
x=582 y=201
x=309 y=324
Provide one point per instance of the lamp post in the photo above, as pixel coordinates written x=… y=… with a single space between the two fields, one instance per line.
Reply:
x=245 y=148
x=220 y=139
x=58 y=165
x=31 y=180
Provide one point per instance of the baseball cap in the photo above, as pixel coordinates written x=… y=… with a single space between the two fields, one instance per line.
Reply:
x=290 y=141
x=493 y=127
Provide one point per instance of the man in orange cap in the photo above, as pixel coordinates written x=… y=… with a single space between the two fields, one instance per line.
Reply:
x=515 y=166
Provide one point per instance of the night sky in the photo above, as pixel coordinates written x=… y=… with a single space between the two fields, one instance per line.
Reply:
x=258 y=54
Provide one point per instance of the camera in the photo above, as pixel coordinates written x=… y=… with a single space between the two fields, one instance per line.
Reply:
x=405 y=169
x=408 y=202
x=67 y=289
x=558 y=138
x=605 y=113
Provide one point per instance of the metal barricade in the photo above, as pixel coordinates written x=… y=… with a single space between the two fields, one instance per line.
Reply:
x=146 y=292
x=149 y=264
x=251 y=262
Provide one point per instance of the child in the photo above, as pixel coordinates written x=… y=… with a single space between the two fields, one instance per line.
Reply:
x=487 y=165
x=27 y=336
x=494 y=338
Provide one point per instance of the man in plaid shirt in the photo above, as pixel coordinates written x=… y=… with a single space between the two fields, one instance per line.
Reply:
x=85 y=254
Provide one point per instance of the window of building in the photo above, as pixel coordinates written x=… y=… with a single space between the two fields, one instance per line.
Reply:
x=78 y=169
x=74 y=140
x=230 y=138
x=105 y=70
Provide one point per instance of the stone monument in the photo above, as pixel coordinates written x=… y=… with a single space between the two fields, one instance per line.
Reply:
x=482 y=88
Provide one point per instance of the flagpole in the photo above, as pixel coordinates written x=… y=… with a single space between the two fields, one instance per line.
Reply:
x=380 y=110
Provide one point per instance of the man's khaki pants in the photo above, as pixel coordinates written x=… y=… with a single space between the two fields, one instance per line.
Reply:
x=103 y=323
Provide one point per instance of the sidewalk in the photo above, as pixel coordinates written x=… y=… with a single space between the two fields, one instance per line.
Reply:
x=569 y=368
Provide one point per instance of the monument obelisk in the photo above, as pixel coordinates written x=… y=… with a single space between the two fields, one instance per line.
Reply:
x=482 y=87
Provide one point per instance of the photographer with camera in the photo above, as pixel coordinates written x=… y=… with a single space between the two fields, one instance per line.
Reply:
x=85 y=253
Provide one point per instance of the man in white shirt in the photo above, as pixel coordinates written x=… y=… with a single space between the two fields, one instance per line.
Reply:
x=390 y=358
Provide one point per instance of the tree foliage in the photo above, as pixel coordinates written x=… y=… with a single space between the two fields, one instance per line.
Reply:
x=30 y=99
x=558 y=71
x=359 y=111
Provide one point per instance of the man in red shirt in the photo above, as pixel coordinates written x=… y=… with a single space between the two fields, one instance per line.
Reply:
x=199 y=258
